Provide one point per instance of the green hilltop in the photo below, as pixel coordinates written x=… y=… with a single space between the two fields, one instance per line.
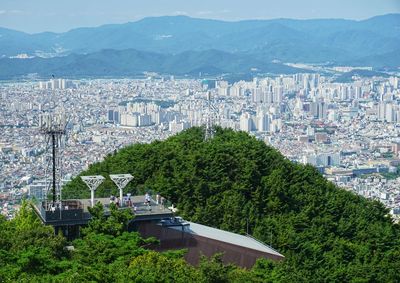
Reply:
x=235 y=182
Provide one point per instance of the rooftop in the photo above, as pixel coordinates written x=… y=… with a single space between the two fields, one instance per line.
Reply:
x=227 y=237
x=137 y=201
x=76 y=211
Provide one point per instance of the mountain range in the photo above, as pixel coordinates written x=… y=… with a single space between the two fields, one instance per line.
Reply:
x=184 y=45
x=131 y=62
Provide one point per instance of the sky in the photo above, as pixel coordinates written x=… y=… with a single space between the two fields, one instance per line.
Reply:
x=61 y=15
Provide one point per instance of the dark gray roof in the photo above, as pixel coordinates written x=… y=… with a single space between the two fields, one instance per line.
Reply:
x=227 y=237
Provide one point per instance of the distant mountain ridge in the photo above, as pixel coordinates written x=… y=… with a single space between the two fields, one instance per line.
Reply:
x=374 y=42
x=131 y=62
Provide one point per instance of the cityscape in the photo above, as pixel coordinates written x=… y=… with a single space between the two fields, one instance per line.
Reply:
x=348 y=131
x=209 y=141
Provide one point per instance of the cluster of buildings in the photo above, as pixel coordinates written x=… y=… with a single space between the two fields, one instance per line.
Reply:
x=349 y=131
x=56 y=84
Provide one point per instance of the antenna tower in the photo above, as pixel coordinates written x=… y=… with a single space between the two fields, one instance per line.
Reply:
x=53 y=125
x=209 y=127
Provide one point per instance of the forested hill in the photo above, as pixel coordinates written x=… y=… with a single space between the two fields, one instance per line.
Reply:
x=326 y=234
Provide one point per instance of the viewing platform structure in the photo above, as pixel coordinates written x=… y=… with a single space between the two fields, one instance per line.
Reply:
x=73 y=214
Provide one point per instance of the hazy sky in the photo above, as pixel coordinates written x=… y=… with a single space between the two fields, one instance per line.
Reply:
x=61 y=15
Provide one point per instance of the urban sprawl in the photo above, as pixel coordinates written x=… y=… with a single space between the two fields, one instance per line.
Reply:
x=349 y=131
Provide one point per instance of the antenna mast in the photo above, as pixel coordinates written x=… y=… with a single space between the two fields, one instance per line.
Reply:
x=209 y=130
x=53 y=126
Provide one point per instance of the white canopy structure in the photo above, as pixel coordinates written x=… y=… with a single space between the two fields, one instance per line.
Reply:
x=121 y=180
x=92 y=182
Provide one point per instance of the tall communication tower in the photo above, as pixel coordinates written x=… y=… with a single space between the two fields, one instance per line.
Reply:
x=53 y=125
x=210 y=119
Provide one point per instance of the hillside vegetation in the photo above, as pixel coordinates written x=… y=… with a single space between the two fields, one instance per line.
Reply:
x=106 y=252
x=326 y=234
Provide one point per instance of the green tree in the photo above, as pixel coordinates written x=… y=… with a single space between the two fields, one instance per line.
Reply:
x=235 y=181
x=114 y=223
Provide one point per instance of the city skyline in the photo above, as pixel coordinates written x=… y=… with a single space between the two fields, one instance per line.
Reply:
x=311 y=118
x=44 y=15
x=259 y=137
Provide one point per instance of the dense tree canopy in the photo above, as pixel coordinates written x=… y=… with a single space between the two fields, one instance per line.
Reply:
x=235 y=182
x=30 y=252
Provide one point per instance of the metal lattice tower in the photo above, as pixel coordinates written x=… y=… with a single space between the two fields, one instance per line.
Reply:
x=209 y=127
x=93 y=182
x=53 y=125
x=121 y=180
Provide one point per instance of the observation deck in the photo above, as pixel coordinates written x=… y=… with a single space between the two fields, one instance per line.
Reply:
x=76 y=212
